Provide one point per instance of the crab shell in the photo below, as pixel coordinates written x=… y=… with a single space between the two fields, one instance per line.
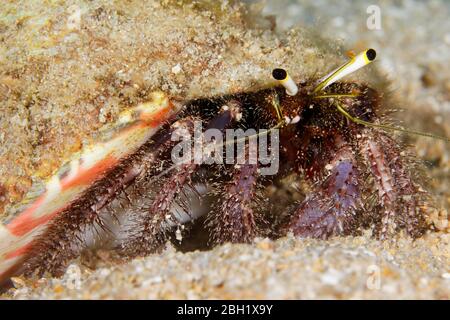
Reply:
x=132 y=129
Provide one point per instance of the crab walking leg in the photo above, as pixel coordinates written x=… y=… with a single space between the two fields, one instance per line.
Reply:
x=384 y=180
x=152 y=226
x=115 y=142
x=234 y=218
x=332 y=207
x=399 y=198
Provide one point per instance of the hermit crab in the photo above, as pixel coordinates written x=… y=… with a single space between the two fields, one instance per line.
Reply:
x=325 y=132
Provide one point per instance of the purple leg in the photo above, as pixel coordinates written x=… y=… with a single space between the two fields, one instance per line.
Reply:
x=331 y=208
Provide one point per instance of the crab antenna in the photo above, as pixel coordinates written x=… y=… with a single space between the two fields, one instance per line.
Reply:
x=342 y=110
x=355 y=63
x=285 y=80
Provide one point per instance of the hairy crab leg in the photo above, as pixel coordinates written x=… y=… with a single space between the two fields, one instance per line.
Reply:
x=234 y=218
x=398 y=196
x=115 y=142
x=332 y=207
x=151 y=226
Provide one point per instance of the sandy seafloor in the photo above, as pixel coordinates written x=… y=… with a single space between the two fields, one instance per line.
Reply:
x=413 y=50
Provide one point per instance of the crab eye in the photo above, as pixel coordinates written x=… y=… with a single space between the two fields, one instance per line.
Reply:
x=285 y=80
x=356 y=63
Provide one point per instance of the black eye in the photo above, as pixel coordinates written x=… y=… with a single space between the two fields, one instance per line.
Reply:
x=279 y=74
x=371 y=54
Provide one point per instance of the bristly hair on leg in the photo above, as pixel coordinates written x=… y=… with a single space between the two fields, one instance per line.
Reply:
x=237 y=215
x=333 y=206
x=400 y=200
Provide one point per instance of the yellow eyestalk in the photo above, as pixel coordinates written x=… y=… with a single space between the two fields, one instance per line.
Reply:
x=357 y=62
x=285 y=80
